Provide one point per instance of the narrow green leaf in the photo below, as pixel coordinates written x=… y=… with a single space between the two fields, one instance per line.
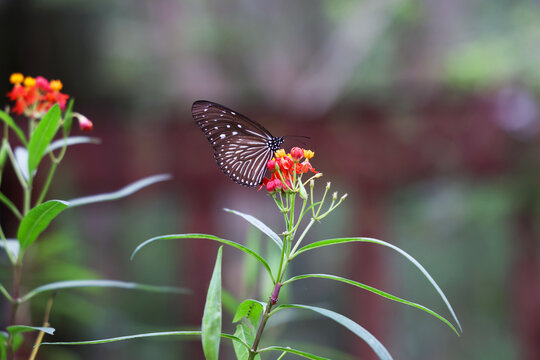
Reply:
x=336 y=241
x=209 y=237
x=17 y=329
x=293 y=351
x=375 y=291
x=42 y=137
x=9 y=121
x=6 y=293
x=358 y=330
x=73 y=140
x=145 y=335
x=211 y=321
x=251 y=309
x=125 y=191
x=71 y=284
x=10 y=205
x=37 y=220
x=68 y=118
x=259 y=225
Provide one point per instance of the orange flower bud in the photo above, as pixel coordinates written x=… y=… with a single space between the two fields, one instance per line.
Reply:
x=56 y=85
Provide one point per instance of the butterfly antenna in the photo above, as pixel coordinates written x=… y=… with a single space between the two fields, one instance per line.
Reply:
x=297 y=136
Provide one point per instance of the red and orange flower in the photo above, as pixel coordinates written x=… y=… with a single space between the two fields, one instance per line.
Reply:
x=35 y=96
x=286 y=169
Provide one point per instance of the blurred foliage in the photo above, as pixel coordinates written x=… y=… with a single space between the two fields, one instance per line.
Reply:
x=462 y=228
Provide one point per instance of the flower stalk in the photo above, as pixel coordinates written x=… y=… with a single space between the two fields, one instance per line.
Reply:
x=284 y=184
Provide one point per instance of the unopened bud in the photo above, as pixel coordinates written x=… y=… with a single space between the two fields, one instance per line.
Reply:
x=302 y=191
x=334 y=196
x=297 y=154
x=328 y=185
x=344 y=197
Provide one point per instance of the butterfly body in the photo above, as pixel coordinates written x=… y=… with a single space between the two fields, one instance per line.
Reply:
x=242 y=147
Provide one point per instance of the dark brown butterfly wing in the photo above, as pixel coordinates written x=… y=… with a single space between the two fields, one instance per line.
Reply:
x=241 y=146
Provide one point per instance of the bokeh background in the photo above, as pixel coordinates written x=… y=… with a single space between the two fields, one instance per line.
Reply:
x=426 y=112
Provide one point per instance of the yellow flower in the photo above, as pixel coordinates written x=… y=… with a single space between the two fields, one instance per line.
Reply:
x=280 y=153
x=16 y=78
x=56 y=85
x=29 y=82
x=308 y=154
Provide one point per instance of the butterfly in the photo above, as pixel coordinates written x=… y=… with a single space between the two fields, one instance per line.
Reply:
x=242 y=147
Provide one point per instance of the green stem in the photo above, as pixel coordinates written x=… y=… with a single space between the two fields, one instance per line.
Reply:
x=262 y=324
x=17 y=268
x=55 y=161
x=311 y=222
x=52 y=170
x=284 y=260
x=322 y=200
x=27 y=196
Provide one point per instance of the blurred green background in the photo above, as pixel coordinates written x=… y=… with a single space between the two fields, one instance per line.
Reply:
x=425 y=111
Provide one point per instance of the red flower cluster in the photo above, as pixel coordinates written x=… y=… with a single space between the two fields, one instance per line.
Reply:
x=286 y=168
x=35 y=96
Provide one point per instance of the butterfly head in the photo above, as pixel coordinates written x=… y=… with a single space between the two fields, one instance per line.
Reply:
x=275 y=143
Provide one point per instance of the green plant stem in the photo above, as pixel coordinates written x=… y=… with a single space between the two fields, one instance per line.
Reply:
x=52 y=170
x=284 y=260
x=15 y=305
x=27 y=196
x=260 y=330
x=17 y=269
x=308 y=226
